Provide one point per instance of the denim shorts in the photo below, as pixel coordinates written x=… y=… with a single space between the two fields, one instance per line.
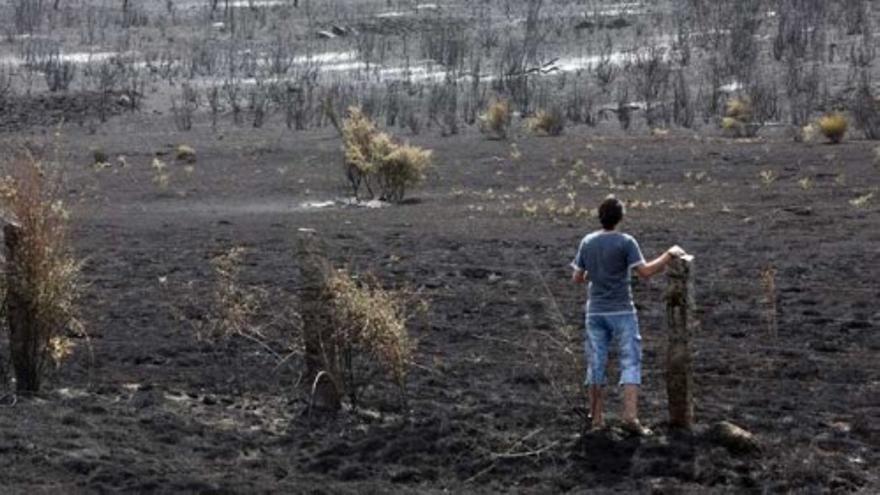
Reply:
x=604 y=330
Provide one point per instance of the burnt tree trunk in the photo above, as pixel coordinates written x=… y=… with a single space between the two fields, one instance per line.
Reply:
x=318 y=334
x=24 y=340
x=680 y=323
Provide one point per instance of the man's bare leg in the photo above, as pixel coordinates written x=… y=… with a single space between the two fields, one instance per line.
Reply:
x=631 y=411
x=631 y=403
x=596 y=406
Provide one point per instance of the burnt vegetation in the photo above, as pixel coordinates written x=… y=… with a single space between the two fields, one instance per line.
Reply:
x=322 y=244
x=431 y=66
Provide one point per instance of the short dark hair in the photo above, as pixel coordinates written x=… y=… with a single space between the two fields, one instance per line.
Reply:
x=610 y=212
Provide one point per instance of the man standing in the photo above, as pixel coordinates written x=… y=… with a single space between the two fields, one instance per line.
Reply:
x=606 y=259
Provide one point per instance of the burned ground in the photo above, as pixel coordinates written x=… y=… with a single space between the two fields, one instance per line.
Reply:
x=145 y=407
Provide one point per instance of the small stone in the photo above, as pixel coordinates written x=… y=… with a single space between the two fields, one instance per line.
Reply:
x=734 y=438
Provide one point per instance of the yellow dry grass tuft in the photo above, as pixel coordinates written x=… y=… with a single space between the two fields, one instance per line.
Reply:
x=161 y=175
x=862 y=201
x=809 y=133
x=185 y=153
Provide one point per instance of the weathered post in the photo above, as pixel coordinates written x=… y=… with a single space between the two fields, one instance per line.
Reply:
x=768 y=281
x=680 y=307
x=317 y=331
x=24 y=341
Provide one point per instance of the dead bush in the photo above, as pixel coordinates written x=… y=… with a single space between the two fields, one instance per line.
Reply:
x=373 y=156
x=6 y=80
x=358 y=136
x=548 y=122
x=235 y=314
x=42 y=274
x=650 y=73
x=403 y=167
x=833 y=126
x=496 y=121
x=184 y=108
x=557 y=356
x=367 y=321
x=234 y=306
x=866 y=107
x=27 y=16
x=59 y=74
x=739 y=118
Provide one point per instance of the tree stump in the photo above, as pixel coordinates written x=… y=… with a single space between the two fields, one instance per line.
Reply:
x=680 y=321
x=317 y=329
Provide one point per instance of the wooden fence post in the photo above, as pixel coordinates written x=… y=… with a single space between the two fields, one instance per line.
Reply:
x=680 y=321
x=24 y=343
x=319 y=346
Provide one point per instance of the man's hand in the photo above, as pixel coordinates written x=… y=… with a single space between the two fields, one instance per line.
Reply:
x=579 y=277
x=658 y=264
x=677 y=252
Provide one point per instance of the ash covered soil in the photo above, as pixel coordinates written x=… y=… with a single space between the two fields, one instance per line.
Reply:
x=487 y=242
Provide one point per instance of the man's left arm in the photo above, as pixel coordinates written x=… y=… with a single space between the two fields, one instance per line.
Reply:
x=579 y=276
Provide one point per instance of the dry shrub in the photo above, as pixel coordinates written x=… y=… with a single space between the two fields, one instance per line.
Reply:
x=404 y=166
x=234 y=306
x=548 y=122
x=557 y=355
x=366 y=320
x=371 y=154
x=739 y=109
x=381 y=146
x=496 y=121
x=236 y=313
x=358 y=141
x=739 y=118
x=833 y=126
x=43 y=283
